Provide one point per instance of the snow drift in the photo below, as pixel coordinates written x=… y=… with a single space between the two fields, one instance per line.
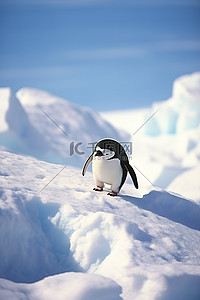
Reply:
x=142 y=244
x=191 y=190
x=30 y=124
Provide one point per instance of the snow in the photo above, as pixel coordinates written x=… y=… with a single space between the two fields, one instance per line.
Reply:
x=178 y=114
x=69 y=241
x=184 y=186
x=16 y=132
x=168 y=144
x=80 y=124
x=42 y=125
x=39 y=124
x=59 y=239
x=4 y=93
x=63 y=286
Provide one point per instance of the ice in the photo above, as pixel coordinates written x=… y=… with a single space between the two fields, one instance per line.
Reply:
x=178 y=114
x=166 y=144
x=182 y=111
x=69 y=241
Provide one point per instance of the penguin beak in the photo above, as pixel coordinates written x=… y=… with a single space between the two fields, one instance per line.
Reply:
x=98 y=153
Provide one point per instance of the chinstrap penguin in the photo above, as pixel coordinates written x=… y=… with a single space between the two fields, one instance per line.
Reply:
x=110 y=165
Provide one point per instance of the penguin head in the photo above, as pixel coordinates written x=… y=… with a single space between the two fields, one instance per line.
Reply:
x=106 y=149
x=103 y=153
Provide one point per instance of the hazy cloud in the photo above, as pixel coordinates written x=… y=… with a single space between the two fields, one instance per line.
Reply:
x=37 y=72
x=133 y=52
x=182 y=45
x=136 y=52
x=106 y=53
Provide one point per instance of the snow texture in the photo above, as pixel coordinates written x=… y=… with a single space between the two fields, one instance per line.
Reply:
x=61 y=240
x=30 y=121
x=71 y=242
x=191 y=190
x=72 y=286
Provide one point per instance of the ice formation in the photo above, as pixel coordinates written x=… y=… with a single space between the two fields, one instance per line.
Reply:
x=181 y=112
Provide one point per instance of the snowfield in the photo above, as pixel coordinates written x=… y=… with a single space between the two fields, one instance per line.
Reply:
x=69 y=242
x=59 y=239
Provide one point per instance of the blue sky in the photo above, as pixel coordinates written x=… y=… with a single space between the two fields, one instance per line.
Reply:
x=104 y=54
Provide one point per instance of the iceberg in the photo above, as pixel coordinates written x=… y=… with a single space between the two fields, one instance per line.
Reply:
x=181 y=112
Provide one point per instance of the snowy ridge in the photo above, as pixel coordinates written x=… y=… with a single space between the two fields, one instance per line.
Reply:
x=16 y=132
x=24 y=127
x=142 y=244
x=176 y=115
x=191 y=190
x=167 y=145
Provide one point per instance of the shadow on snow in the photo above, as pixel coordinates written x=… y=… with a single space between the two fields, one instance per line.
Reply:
x=32 y=246
x=169 y=206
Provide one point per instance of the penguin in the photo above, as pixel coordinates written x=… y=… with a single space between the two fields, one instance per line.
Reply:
x=110 y=165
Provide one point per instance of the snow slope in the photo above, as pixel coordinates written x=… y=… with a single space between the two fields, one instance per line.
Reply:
x=27 y=125
x=164 y=148
x=69 y=241
x=191 y=190
x=168 y=144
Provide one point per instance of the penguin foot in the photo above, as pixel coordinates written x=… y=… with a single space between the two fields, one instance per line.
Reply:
x=112 y=194
x=98 y=189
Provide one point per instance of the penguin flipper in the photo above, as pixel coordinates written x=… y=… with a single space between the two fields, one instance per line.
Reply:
x=88 y=161
x=132 y=173
x=124 y=175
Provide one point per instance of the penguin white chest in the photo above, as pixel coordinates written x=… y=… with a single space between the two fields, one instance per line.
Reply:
x=107 y=171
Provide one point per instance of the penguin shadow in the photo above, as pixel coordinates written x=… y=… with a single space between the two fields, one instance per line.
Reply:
x=169 y=206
